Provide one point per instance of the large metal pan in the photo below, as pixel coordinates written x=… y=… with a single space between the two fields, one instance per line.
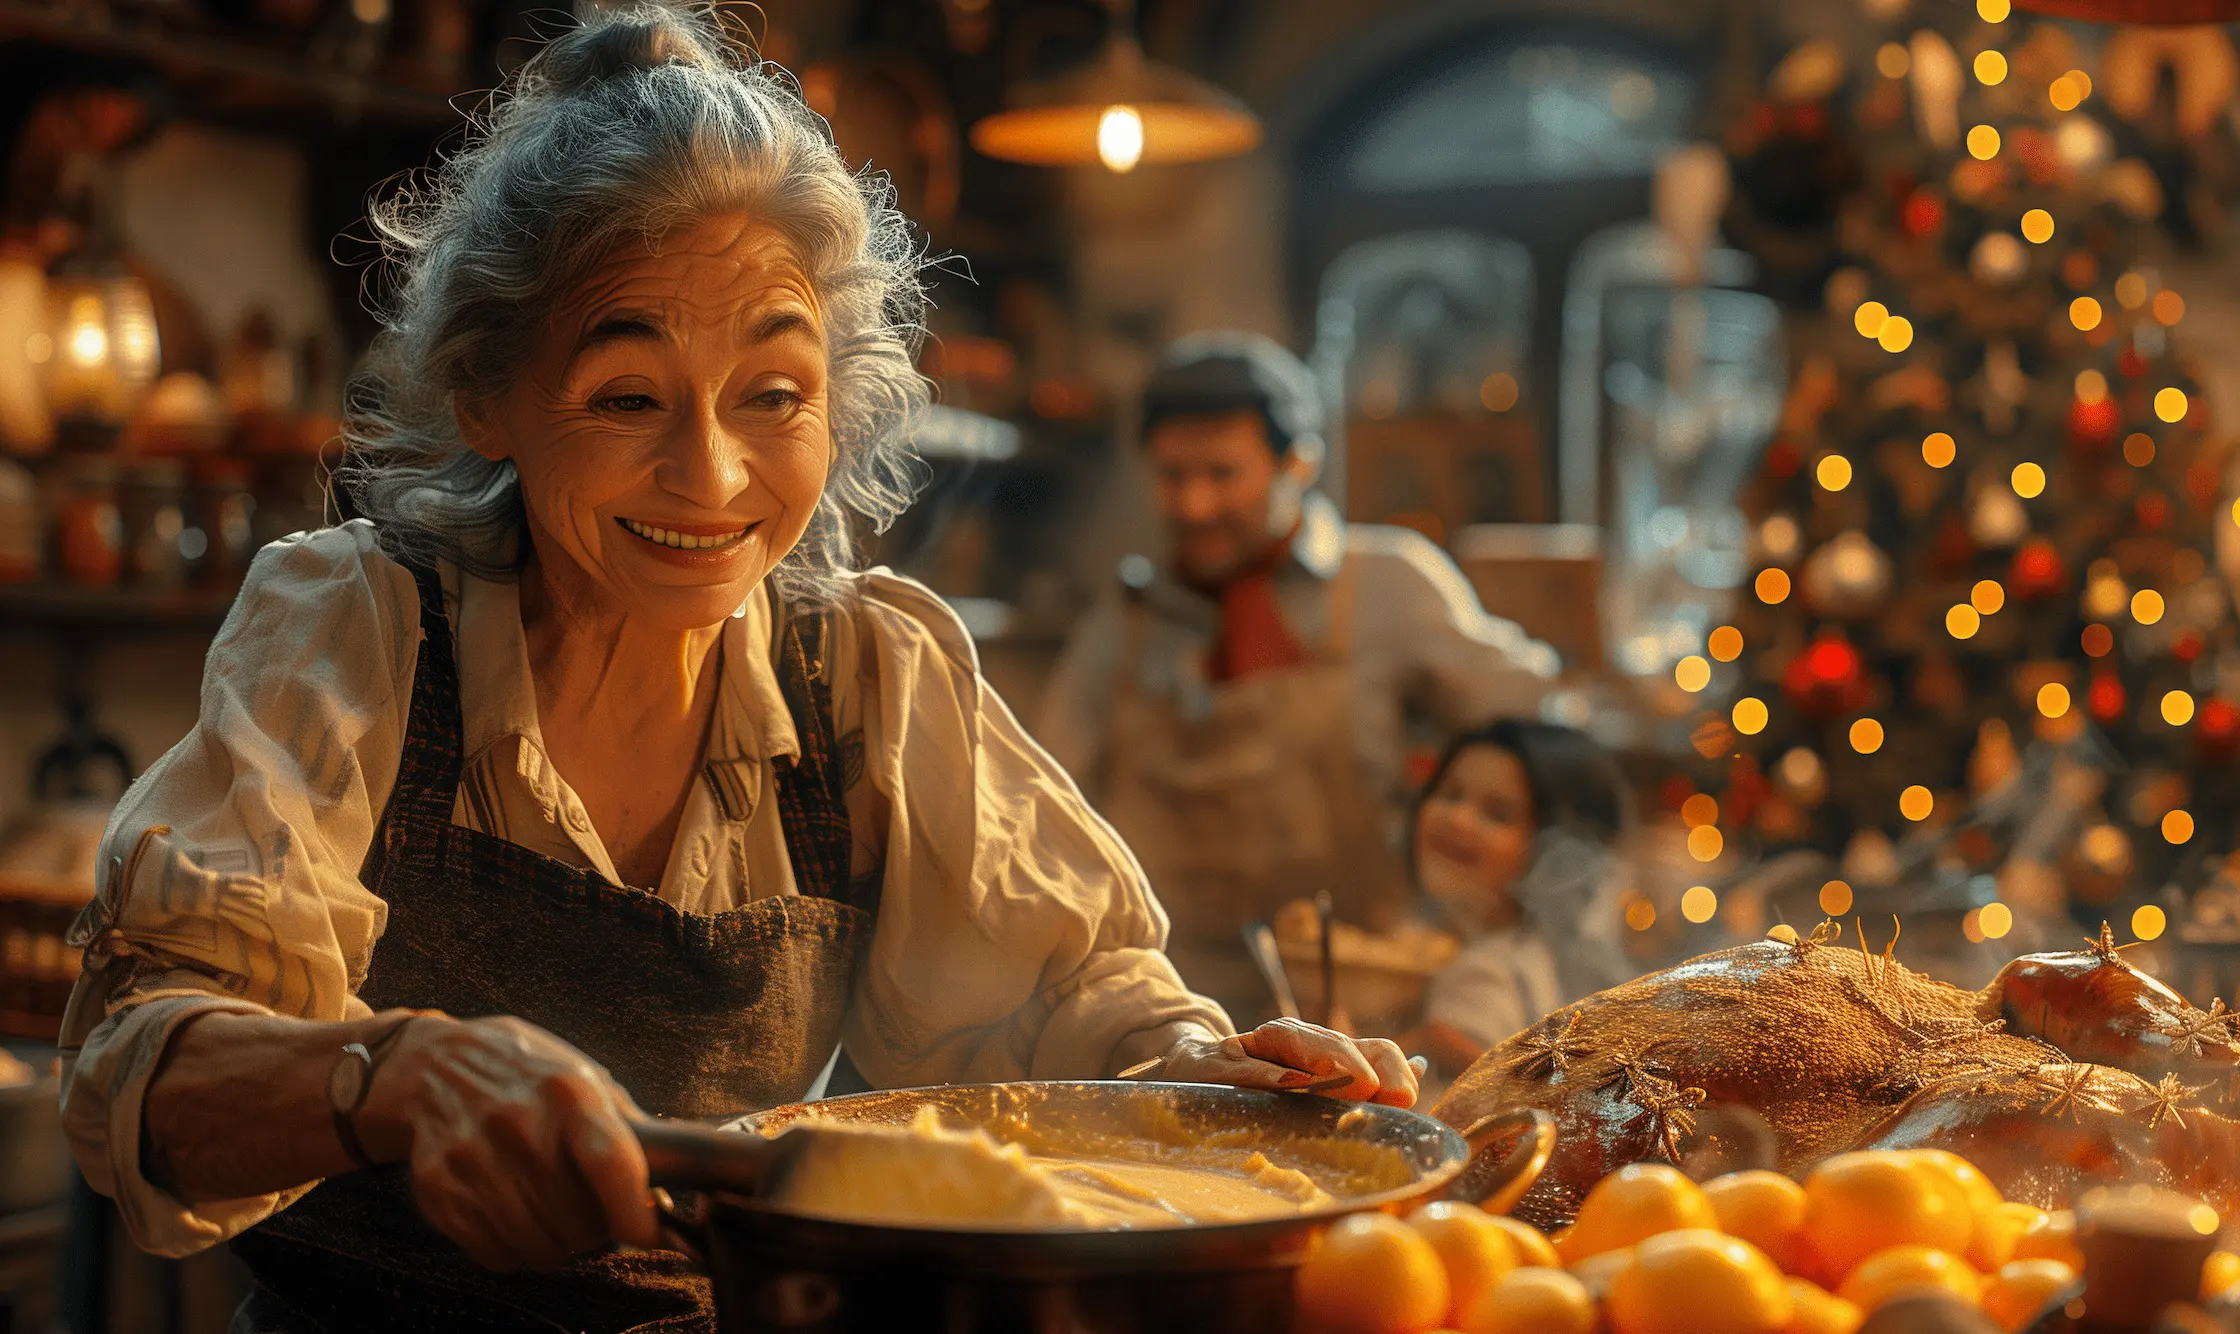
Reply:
x=774 y=1270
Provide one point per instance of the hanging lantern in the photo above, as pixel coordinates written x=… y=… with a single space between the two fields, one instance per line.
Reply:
x=2037 y=570
x=1122 y=111
x=99 y=353
x=1828 y=678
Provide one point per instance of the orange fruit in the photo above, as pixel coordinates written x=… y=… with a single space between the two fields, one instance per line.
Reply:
x=1636 y=1201
x=2022 y=1288
x=1697 y=1281
x=1856 y=1204
x=2053 y=1237
x=1819 y=1311
x=1532 y=1301
x=1897 y=1270
x=1997 y=1232
x=1530 y=1243
x=1598 y=1272
x=2219 y=1275
x=1474 y=1251
x=1974 y=1190
x=1765 y=1209
x=1372 y=1274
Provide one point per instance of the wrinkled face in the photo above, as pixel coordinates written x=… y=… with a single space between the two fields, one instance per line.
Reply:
x=1214 y=477
x=1473 y=835
x=671 y=429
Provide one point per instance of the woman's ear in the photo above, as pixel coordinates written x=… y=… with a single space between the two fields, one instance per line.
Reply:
x=478 y=427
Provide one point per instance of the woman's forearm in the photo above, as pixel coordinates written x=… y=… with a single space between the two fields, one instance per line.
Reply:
x=238 y=1106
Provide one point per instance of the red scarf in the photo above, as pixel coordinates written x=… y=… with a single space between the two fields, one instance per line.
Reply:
x=1252 y=635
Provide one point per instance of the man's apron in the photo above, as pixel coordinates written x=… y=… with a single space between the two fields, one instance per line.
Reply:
x=697 y=1016
x=1258 y=800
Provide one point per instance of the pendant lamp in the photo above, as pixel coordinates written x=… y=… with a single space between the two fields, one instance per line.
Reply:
x=1122 y=110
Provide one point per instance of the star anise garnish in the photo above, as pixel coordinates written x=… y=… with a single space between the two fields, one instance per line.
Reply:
x=2071 y=1090
x=1543 y=1054
x=1669 y=1108
x=2105 y=947
x=2197 y=1028
x=2163 y=1101
x=1802 y=946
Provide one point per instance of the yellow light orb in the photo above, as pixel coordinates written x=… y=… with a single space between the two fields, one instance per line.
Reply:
x=1869 y=318
x=1772 y=586
x=1987 y=596
x=1938 y=449
x=2169 y=307
x=2236 y=512
x=2029 y=480
x=1726 y=643
x=2138 y=449
x=1983 y=143
x=1691 y=673
x=1705 y=843
x=1896 y=334
x=1834 y=472
x=2053 y=699
x=1866 y=736
x=2091 y=386
x=2131 y=290
x=2084 y=312
x=1498 y=392
x=1700 y=809
x=1699 y=905
x=2147 y=606
x=1750 y=715
x=2148 y=922
x=2177 y=708
x=1997 y=920
x=2080 y=81
x=2170 y=404
x=1991 y=68
x=2063 y=93
x=2037 y=226
x=1892 y=60
x=2177 y=826
x=1962 y=621
x=1915 y=803
x=1640 y=914
x=1994 y=11
x=1835 y=898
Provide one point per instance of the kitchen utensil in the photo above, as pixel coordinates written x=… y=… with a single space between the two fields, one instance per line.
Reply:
x=1326 y=912
x=778 y=1270
x=1260 y=943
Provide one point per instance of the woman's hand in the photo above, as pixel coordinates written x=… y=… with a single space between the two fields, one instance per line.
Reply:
x=1287 y=1053
x=520 y=1146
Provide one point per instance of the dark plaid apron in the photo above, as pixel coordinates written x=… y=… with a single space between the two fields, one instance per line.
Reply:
x=697 y=1016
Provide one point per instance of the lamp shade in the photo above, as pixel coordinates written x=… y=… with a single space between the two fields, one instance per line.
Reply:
x=1123 y=110
x=2136 y=11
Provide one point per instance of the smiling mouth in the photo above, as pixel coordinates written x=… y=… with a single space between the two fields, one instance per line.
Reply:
x=679 y=541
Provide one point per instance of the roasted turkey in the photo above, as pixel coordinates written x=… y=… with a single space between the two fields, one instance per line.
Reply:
x=2069 y=1070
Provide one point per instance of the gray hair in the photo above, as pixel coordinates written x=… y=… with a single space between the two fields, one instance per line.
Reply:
x=631 y=123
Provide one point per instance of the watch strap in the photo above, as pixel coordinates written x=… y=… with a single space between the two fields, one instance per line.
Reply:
x=345 y=1125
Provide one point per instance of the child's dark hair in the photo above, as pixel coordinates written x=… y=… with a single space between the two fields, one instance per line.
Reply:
x=1574 y=783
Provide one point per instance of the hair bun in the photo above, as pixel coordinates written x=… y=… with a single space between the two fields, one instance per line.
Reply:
x=607 y=43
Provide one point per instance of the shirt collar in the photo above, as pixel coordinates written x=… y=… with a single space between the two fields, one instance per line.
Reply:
x=1317 y=549
x=752 y=720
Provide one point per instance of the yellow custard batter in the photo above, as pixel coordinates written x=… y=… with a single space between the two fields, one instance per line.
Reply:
x=927 y=1173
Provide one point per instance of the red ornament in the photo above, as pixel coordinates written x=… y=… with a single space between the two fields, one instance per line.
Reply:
x=2037 y=570
x=2092 y=425
x=1827 y=679
x=1923 y=213
x=2216 y=729
x=2103 y=699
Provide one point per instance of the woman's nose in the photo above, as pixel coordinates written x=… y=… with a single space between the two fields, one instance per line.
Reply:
x=704 y=460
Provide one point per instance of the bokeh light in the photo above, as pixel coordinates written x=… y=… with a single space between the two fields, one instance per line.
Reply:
x=1691 y=673
x=2177 y=826
x=1640 y=913
x=1750 y=715
x=2170 y=404
x=2084 y=312
x=2092 y=386
x=2029 y=480
x=1996 y=920
x=2138 y=449
x=1896 y=334
x=1983 y=143
x=2168 y=307
x=1916 y=802
x=1892 y=60
x=2149 y=922
x=1834 y=472
x=1987 y=596
x=1705 y=842
x=2131 y=290
x=1772 y=586
x=1835 y=898
x=2037 y=226
x=1938 y=449
x=1498 y=391
x=1726 y=643
x=1962 y=621
x=1869 y=318
x=2099 y=641
x=1699 y=905
x=2177 y=708
x=2053 y=699
x=1699 y=809
x=1991 y=68
x=1994 y=11
x=1866 y=736
x=2146 y=606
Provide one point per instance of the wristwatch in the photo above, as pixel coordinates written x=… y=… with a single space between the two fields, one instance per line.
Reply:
x=347 y=1084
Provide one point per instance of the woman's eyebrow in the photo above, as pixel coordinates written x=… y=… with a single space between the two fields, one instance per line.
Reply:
x=777 y=323
x=621 y=326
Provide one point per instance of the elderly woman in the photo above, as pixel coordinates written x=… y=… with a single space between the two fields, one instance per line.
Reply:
x=370 y=989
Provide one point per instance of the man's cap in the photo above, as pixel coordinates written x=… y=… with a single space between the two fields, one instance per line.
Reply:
x=1209 y=374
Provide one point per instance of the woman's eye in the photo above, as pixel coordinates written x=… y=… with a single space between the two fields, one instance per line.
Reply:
x=775 y=400
x=626 y=402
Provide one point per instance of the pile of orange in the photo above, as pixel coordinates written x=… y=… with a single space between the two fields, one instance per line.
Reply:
x=1748 y=1253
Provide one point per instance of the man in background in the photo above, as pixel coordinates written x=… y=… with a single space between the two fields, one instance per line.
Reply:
x=1240 y=710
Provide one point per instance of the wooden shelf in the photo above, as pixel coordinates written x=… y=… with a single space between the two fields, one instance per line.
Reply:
x=121 y=610
x=224 y=77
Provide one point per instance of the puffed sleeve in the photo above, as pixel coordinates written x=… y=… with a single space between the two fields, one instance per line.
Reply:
x=1016 y=935
x=1077 y=704
x=230 y=868
x=1468 y=664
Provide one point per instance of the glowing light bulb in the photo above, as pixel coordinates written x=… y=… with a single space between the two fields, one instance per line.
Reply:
x=1997 y=920
x=1866 y=736
x=1916 y=803
x=1705 y=842
x=2147 y=606
x=1699 y=905
x=1896 y=334
x=1938 y=449
x=2053 y=699
x=1691 y=673
x=1869 y=318
x=1120 y=139
x=1987 y=596
x=2029 y=480
x=1962 y=621
x=2037 y=226
x=2177 y=826
x=1835 y=898
x=2177 y=708
x=1750 y=715
x=1991 y=68
x=1834 y=472
x=1983 y=143
x=2170 y=404
x=2084 y=312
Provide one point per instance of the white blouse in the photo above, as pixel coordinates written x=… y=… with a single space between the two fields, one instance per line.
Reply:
x=1016 y=936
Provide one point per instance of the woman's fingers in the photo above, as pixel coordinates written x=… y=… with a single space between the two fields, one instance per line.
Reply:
x=1315 y=1049
x=613 y=1168
x=1395 y=1073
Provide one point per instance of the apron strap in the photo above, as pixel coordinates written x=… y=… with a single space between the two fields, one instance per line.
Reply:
x=812 y=789
x=427 y=783
x=1337 y=639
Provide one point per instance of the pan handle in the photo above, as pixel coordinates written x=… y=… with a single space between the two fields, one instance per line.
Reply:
x=684 y=1226
x=1508 y=1151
